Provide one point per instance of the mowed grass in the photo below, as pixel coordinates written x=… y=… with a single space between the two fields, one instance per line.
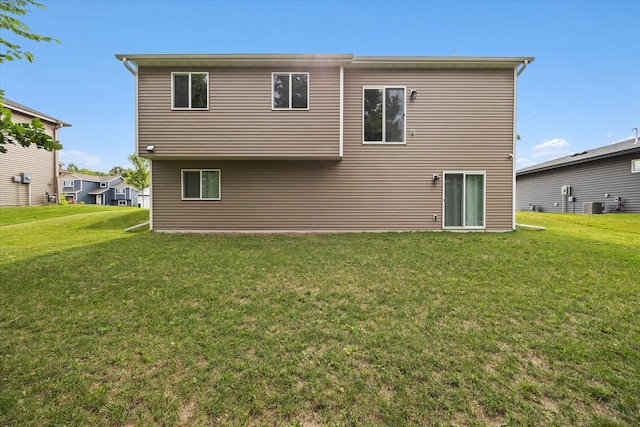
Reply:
x=102 y=327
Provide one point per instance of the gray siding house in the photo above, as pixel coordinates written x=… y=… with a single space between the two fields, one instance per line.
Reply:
x=606 y=179
x=323 y=143
x=20 y=162
x=97 y=190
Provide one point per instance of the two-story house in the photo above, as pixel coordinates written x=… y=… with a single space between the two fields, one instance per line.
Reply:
x=321 y=143
x=97 y=190
x=29 y=175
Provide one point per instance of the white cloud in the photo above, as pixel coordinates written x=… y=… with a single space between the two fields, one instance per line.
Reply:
x=79 y=158
x=552 y=149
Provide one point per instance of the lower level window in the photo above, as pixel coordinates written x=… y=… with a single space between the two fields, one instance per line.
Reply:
x=122 y=203
x=200 y=184
x=464 y=199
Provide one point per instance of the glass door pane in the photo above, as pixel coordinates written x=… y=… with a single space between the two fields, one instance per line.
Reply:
x=453 y=192
x=474 y=201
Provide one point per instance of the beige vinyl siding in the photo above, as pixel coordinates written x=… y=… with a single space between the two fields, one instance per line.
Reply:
x=40 y=163
x=240 y=122
x=463 y=121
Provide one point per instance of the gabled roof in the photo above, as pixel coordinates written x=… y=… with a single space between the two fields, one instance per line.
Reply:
x=608 y=151
x=91 y=178
x=122 y=184
x=12 y=105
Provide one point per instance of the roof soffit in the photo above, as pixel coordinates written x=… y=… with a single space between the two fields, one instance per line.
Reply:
x=310 y=60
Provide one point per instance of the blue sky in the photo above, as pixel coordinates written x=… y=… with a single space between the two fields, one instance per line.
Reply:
x=582 y=91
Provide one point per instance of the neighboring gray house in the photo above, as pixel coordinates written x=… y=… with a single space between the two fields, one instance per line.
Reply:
x=97 y=190
x=603 y=179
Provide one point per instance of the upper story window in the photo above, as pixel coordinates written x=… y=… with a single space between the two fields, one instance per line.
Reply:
x=290 y=91
x=635 y=166
x=103 y=185
x=200 y=184
x=190 y=91
x=67 y=183
x=121 y=191
x=383 y=114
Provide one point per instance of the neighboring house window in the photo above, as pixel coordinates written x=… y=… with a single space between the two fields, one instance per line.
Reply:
x=200 y=184
x=190 y=91
x=122 y=203
x=103 y=185
x=290 y=91
x=635 y=166
x=383 y=114
x=121 y=191
x=67 y=183
x=464 y=199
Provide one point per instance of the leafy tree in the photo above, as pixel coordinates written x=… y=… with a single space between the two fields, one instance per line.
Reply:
x=139 y=175
x=117 y=171
x=75 y=169
x=23 y=134
x=9 y=10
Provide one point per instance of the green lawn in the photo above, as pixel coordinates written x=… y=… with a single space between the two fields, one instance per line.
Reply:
x=102 y=327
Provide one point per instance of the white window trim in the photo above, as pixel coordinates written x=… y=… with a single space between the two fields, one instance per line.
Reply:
x=484 y=194
x=121 y=191
x=635 y=166
x=122 y=202
x=65 y=183
x=290 y=108
x=173 y=93
x=384 y=111
x=200 y=170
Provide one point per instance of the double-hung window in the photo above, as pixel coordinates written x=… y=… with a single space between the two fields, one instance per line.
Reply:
x=67 y=183
x=200 y=184
x=190 y=91
x=383 y=114
x=290 y=91
x=121 y=191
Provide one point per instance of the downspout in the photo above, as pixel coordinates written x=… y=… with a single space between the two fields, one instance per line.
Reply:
x=56 y=166
x=515 y=137
x=524 y=65
x=132 y=70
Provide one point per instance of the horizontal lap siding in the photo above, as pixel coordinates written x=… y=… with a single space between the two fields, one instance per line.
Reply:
x=240 y=121
x=463 y=121
x=40 y=163
x=589 y=182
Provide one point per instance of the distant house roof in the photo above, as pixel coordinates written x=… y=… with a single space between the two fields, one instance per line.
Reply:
x=612 y=150
x=30 y=111
x=98 y=191
x=122 y=184
x=91 y=178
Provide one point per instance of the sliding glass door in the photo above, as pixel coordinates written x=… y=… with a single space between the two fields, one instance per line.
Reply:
x=464 y=199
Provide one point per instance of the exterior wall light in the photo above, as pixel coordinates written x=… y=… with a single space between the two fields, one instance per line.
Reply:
x=151 y=148
x=414 y=94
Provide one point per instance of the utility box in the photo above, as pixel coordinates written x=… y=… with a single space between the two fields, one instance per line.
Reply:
x=590 y=208
x=565 y=190
x=26 y=177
